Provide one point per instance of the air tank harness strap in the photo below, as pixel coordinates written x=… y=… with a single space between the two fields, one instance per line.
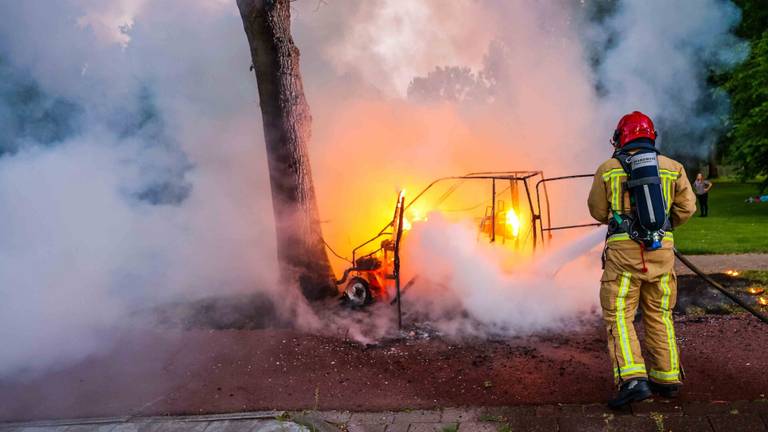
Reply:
x=643 y=181
x=620 y=223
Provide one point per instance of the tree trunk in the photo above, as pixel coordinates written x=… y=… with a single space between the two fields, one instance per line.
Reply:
x=287 y=123
x=712 y=173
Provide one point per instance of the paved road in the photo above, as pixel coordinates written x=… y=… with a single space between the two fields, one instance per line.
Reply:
x=721 y=263
x=657 y=416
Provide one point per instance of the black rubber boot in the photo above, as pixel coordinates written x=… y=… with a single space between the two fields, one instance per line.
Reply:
x=664 y=390
x=633 y=390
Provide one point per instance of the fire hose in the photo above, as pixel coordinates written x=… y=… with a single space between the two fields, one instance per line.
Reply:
x=720 y=288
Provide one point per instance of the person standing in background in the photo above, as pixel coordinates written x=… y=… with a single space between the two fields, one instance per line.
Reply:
x=702 y=187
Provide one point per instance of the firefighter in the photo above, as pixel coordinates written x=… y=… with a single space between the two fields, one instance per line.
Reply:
x=638 y=263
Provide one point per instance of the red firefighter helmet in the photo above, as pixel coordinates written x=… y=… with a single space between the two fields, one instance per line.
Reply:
x=631 y=127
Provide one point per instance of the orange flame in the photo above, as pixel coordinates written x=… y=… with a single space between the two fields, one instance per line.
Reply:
x=513 y=222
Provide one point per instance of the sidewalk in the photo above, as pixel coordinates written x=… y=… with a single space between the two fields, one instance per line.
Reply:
x=652 y=416
x=722 y=263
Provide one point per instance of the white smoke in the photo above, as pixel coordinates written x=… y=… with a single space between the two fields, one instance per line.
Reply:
x=132 y=164
x=458 y=287
x=469 y=287
x=131 y=177
x=655 y=56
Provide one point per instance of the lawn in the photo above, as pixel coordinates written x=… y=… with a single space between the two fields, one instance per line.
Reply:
x=732 y=226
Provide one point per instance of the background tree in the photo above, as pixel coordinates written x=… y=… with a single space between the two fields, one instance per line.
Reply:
x=747 y=142
x=287 y=125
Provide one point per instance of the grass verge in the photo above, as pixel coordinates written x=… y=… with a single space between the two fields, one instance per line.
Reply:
x=732 y=226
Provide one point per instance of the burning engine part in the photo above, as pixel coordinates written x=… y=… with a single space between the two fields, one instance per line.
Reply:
x=368 y=282
x=371 y=273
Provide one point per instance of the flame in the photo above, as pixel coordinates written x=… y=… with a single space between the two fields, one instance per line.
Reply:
x=411 y=216
x=763 y=300
x=513 y=222
x=733 y=273
x=417 y=215
x=401 y=201
x=755 y=290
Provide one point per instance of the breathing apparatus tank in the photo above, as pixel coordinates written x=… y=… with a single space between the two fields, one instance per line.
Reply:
x=634 y=139
x=649 y=217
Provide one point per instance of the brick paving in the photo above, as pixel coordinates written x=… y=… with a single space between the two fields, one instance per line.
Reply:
x=651 y=416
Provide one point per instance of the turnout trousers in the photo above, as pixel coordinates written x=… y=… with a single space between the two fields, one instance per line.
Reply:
x=624 y=287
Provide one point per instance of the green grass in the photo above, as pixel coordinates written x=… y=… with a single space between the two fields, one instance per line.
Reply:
x=732 y=226
x=758 y=276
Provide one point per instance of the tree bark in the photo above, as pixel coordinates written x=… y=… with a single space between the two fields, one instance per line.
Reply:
x=712 y=173
x=287 y=128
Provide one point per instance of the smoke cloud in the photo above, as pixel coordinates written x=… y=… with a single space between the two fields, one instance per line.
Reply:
x=126 y=183
x=469 y=287
x=133 y=174
x=657 y=57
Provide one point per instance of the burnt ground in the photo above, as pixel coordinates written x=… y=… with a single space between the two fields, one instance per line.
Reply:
x=214 y=371
x=696 y=297
x=239 y=367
